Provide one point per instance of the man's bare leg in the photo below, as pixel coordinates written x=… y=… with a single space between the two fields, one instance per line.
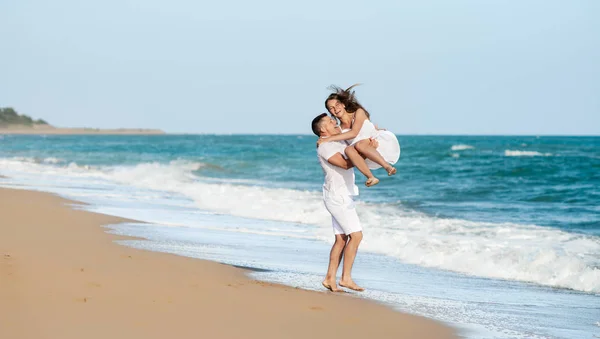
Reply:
x=349 y=256
x=335 y=256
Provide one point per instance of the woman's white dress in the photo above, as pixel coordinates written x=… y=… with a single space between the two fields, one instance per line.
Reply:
x=389 y=147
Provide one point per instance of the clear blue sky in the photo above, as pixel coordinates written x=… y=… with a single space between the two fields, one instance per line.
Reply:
x=428 y=67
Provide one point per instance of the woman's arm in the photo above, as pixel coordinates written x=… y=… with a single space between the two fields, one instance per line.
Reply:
x=359 y=120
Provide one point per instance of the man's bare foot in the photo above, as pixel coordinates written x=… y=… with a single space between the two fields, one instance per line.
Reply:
x=331 y=286
x=351 y=285
x=391 y=170
x=371 y=182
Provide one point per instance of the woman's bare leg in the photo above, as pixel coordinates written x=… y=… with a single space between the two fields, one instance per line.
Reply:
x=359 y=162
x=365 y=149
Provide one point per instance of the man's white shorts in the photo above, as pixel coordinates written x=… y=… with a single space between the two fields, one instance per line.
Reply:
x=343 y=214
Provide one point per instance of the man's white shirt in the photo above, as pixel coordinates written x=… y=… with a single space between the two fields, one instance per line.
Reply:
x=338 y=181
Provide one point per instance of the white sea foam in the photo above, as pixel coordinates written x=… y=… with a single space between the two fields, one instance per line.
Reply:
x=49 y=160
x=52 y=160
x=511 y=153
x=529 y=253
x=506 y=251
x=461 y=147
x=228 y=198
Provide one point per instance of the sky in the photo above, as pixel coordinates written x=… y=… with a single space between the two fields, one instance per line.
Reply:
x=477 y=67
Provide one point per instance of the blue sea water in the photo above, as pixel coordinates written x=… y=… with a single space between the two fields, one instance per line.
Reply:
x=497 y=236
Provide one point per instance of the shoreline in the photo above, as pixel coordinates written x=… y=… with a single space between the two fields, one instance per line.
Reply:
x=74 y=265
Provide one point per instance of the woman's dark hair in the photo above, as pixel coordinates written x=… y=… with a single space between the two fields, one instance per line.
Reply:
x=347 y=98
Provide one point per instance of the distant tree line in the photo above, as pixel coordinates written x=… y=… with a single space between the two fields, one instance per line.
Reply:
x=8 y=116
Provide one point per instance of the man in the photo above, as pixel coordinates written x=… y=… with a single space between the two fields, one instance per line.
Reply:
x=338 y=190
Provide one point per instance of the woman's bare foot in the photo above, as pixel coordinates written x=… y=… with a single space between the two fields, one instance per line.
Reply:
x=332 y=286
x=371 y=182
x=351 y=285
x=391 y=170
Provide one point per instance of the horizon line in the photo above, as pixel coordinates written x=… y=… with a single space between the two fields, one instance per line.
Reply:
x=399 y=134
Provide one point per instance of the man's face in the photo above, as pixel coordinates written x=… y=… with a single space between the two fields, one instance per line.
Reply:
x=330 y=127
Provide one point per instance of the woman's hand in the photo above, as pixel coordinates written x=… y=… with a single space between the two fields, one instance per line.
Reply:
x=321 y=140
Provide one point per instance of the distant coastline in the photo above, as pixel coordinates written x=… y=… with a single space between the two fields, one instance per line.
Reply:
x=47 y=129
x=12 y=122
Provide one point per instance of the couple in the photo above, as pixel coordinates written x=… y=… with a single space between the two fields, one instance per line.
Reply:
x=379 y=147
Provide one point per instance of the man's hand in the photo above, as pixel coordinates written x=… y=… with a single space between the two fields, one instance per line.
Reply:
x=373 y=143
x=379 y=129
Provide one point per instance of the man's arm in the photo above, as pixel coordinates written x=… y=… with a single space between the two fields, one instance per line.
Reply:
x=339 y=161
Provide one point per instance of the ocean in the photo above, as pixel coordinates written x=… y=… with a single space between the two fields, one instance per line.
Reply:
x=498 y=236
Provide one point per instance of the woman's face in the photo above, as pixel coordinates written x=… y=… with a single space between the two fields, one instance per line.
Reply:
x=336 y=108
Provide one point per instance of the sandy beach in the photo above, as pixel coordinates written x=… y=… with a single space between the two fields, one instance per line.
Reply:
x=62 y=276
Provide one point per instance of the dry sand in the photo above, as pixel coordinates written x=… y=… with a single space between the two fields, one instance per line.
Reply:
x=63 y=277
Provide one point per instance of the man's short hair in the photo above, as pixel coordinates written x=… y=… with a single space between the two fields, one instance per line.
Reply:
x=316 y=124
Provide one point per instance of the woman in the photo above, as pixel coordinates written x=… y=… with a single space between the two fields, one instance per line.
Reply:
x=358 y=129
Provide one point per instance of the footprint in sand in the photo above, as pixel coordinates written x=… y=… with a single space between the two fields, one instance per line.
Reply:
x=7 y=265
